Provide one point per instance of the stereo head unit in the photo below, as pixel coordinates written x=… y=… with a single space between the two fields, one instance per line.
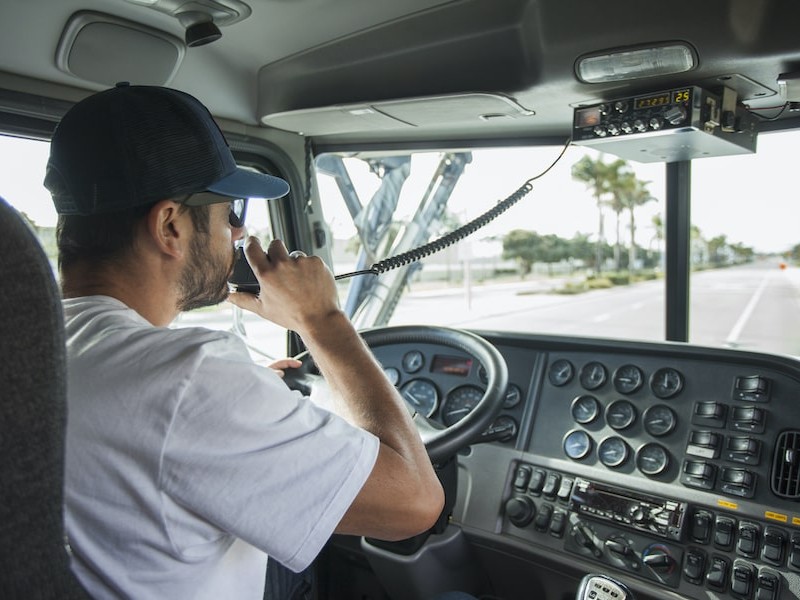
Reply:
x=642 y=512
x=667 y=126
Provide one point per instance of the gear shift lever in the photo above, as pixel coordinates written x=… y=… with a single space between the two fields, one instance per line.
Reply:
x=601 y=587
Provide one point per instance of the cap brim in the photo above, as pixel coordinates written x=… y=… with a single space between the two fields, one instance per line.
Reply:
x=249 y=184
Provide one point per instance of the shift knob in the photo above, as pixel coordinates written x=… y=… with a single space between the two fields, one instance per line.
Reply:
x=601 y=587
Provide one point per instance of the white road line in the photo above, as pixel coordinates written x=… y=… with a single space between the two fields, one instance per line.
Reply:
x=747 y=312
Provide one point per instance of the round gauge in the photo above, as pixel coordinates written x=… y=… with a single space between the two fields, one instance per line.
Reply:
x=413 y=361
x=561 y=372
x=459 y=403
x=652 y=459
x=421 y=395
x=392 y=374
x=577 y=444
x=666 y=382
x=659 y=420
x=585 y=409
x=628 y=379
x=513 y=396
x=620 y=414
x=593 y=375
x=612 y=452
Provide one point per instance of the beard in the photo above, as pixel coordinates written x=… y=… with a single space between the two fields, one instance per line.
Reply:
x=204 y=281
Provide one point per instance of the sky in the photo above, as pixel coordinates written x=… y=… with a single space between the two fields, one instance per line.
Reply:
x=748 y=198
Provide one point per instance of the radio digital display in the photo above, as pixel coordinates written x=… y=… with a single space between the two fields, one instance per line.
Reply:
x=665 y=98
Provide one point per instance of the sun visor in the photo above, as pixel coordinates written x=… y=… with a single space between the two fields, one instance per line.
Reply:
x=104 y=49
x=443 y=111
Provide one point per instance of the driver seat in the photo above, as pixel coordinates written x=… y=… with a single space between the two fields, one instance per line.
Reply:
x=33 y=555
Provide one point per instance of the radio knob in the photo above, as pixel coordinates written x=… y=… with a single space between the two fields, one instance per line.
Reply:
x=626 y=127
x=620 y=106
x=604 y=109
x=637 y=514
x=600 y=131
x=639 y=125
x=613 y=129
x=656 y=123
x=520 y=510
x=675 y=115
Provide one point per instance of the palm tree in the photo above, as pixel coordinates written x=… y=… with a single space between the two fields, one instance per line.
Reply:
x=597 y=175
x=634 y=194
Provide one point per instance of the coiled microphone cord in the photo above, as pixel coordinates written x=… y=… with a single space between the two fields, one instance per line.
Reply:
x=393 y=262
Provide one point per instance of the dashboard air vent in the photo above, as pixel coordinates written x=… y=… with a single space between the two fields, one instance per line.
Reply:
x=786 y=466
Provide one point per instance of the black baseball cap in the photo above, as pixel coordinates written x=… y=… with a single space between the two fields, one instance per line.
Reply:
x=133 y=145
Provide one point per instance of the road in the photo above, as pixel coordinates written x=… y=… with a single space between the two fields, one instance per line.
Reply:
x=755 y=306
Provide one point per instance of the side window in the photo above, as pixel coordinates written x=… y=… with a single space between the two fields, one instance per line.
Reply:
x=22 y=168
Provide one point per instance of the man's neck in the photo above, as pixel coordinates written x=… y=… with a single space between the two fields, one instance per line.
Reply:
x=148 y=296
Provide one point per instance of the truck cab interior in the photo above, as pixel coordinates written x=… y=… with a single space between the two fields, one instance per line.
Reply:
x=567 y=230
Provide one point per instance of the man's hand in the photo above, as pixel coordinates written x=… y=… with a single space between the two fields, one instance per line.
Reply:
x=280 y=365
x=297 y=292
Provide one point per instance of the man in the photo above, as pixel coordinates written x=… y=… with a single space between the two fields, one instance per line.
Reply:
x=187 y=464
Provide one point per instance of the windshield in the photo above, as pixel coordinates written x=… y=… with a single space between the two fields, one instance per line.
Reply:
x=581 y=254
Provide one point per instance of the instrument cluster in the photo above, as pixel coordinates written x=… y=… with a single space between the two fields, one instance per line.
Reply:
x=446 y=386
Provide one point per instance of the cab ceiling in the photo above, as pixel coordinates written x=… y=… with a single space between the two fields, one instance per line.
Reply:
x=440 y=70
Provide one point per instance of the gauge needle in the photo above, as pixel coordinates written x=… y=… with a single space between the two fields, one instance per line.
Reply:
x=413 y=400
x=458 y=411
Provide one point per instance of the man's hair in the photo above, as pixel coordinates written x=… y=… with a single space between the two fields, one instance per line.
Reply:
x=107 y=237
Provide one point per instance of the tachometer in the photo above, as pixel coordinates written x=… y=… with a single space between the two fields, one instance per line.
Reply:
x=421 y=395
x=459 y=403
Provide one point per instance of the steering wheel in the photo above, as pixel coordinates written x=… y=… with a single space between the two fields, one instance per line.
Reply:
x=441 y=442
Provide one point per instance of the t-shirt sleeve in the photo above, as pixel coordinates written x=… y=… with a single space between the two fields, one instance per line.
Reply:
x=260 y=461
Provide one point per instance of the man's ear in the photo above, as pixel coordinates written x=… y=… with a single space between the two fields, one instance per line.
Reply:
x=168 y=226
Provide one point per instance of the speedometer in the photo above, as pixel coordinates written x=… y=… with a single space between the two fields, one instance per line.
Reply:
x=421 y=395
x=459 y=403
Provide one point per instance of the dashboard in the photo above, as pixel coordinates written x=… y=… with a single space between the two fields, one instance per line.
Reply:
x=672 y=467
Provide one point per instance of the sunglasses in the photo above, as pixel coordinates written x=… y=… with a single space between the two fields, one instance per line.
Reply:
x=238 y=209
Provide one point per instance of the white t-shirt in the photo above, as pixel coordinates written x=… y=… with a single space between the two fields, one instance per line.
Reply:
x=187 y=464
